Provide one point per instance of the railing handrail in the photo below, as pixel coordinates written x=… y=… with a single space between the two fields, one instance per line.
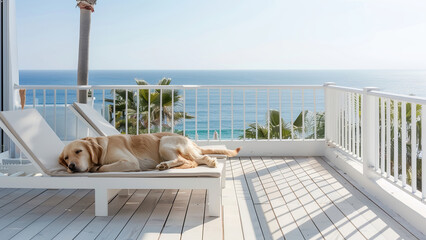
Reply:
x=87 y=87
x=399 y=97
x=393 y=96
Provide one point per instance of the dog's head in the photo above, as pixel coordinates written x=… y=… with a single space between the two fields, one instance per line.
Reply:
x=81 y=155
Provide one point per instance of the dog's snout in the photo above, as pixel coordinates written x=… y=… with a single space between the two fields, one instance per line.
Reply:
x=72 y=166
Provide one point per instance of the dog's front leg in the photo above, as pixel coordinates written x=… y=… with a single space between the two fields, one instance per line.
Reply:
x=120 y=166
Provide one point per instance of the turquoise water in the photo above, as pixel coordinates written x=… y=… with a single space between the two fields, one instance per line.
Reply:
x=397 y=81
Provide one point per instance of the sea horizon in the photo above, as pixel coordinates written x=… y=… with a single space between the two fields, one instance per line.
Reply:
x=395 y=81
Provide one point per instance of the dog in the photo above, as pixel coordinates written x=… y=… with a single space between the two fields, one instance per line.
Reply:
x=129 y=153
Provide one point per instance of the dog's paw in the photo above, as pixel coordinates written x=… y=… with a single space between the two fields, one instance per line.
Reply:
x=94 y=169
x=212 y=163
x=162 y=166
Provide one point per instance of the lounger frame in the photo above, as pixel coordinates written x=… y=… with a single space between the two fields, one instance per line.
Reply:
x=107 y=187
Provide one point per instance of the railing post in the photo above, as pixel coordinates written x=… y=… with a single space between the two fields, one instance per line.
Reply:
x=369 y=131
x=328 y=106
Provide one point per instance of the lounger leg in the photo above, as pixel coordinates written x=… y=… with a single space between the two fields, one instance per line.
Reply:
x=124 y=192
x=101 y=202
x=214 y=198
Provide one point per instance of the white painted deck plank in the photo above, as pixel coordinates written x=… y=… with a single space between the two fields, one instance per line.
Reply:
x=340 y=201
x=25 y=208
x=117 y=223
x=287 y=217
x=193 y=229
x=265 y=198
x=271 y=228
x=232 y=228
x=250 y=223
x=136 y=223
x=65 y=219
x=317 y=215
x=34 y=215
x=172 y=229
x=35 y=227
x=153 y=227
x=300 y=215
x=6 y=191
x=94 y=228
x=346 y=228
x=16 y=199
x=386 y=226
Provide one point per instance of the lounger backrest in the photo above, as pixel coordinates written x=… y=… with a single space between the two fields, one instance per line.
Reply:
x=95 y=120
x=29 y=131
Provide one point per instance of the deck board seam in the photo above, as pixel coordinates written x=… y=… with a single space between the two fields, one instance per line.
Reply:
x=244 y=171
x=64 y=198
x=371 y=200
x=251 y=197
x=292 y=190
x=333 y=202
x=238 y=201
x=267 y=195
x=77 y=202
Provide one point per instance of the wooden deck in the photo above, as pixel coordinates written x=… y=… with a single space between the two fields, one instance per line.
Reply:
x=265 y=198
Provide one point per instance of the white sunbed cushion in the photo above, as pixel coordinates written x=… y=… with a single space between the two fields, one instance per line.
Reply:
x=94 y=119
x=200 y=171
x=36 y=136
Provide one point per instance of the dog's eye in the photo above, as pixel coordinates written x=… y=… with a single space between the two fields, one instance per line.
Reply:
x=66 y=158
x=78 y=151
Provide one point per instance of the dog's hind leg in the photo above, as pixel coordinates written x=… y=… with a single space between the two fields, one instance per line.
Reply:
x=170 y=156
x=187 y=164
x=193 y=154
x=205 y=159
x=170 y=164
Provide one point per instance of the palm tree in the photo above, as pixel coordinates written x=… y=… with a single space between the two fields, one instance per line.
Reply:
x=407 y=141
x=274 y=127
x=309 y=126
x=86 y=9
x=151 y=99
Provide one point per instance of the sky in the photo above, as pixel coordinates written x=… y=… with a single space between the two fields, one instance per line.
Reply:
x=223 y=34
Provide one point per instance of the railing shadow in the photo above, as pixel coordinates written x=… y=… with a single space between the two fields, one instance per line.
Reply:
x=346 y=214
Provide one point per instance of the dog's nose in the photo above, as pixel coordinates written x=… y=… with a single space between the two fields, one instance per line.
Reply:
x=71 y=167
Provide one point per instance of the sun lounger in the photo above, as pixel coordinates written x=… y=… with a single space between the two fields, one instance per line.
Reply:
x=31 y=133
x=97 y=123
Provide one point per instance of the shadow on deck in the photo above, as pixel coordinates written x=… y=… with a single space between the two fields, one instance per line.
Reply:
x=264 y=198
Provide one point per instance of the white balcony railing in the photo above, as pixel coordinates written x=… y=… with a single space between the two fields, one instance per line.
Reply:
x=379 y=129
x=365 y=124
x=211 y=112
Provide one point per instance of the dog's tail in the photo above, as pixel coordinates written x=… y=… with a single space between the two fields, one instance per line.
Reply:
x=227 y=152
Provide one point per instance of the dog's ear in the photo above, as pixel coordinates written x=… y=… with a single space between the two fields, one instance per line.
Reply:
x=95 y=150
x=61 y=160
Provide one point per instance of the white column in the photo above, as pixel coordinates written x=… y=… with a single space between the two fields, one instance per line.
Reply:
x=10 y=63
x=369 y=132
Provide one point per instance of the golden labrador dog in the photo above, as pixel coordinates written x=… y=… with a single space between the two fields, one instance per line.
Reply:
x=125 y=153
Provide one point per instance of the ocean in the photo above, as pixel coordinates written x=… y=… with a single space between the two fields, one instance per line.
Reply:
x=396 y=81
